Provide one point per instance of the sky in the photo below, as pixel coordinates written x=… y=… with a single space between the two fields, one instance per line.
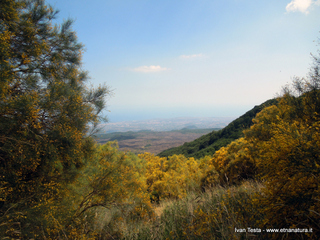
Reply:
x=187 y=58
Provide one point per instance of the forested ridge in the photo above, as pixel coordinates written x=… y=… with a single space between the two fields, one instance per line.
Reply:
x=57 y=183
x=211 y=142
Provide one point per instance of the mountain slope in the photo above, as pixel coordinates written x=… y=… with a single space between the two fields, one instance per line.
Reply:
x=209 y=143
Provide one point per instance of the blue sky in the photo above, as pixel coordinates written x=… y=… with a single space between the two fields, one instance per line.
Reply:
x=188 y=58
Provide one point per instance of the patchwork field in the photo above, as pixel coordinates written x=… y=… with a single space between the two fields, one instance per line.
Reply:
x=152 y=141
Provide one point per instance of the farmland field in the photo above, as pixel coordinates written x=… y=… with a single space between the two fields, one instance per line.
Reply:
x=152 y=141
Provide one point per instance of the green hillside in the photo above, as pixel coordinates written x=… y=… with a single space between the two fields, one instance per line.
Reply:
x=209 y=143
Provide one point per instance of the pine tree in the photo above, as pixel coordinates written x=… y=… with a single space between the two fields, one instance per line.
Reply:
x=46 y=110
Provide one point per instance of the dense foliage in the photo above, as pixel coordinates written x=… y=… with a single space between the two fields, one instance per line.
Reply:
x=173 y=177
x=45 y=110
x=287 y=151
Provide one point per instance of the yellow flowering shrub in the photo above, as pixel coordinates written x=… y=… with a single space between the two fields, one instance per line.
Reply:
x=115 y=178
x=172 y=177
x=288 y=158
x=230 y=165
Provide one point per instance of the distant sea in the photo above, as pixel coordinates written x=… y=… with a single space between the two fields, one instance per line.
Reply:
x=166 y=124
x=121 y=114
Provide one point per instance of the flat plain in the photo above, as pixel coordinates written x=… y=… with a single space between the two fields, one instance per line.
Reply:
x=152 y=141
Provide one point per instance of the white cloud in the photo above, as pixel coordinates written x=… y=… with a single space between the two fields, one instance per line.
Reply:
x=150 y=69
x=191 y=56
x=301 y=5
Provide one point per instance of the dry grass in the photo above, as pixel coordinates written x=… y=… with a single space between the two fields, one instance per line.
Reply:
x=210 y=215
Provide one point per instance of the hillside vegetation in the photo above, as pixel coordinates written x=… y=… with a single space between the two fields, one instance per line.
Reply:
x=211 y=142
x=57 y=183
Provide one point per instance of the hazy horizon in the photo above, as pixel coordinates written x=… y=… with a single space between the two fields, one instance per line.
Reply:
x=121 y=115
x=192 y=58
